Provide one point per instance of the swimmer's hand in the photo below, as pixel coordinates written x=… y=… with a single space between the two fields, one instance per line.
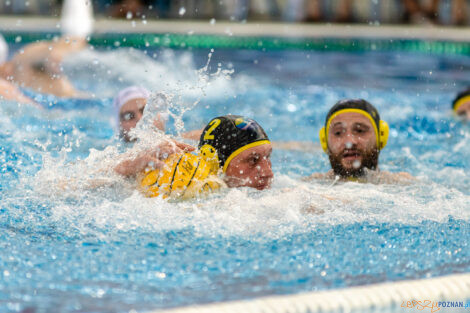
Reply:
x=151 y=158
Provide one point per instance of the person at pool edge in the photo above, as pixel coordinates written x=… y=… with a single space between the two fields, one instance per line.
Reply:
x=353 y=137
x=461 y=104
x=233 y=151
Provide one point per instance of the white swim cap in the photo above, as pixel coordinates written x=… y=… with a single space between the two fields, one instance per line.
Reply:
x=126 y=95
x=3 y=50
x=77 y=18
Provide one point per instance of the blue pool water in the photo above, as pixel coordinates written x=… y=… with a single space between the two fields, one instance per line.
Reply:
x=69 y=247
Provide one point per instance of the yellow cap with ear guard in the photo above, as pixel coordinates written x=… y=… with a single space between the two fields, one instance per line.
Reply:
x=383 y=134
x=458 y=103
x=323 y=140
x=360 y=106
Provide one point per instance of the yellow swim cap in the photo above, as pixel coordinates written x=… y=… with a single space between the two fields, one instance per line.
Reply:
x=183 y=176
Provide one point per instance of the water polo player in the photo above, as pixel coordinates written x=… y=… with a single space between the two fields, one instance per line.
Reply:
x=461 y=104
x=233 y=151
x=353 y=137
x=129 y=105
x=242 y=148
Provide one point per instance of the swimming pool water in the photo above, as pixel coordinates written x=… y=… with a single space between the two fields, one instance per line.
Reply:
x=66 y=247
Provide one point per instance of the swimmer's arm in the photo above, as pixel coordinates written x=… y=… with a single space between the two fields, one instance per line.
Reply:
x=193 y=135
x=400 y=177
x=130 y=167
x=8 y=91
x=306 y=146
x=154 y=157
x=328 y=175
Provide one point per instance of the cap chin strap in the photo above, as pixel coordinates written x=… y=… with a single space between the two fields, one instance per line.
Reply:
x=381 y=133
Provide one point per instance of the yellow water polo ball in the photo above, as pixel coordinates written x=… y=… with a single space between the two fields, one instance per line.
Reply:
x=183 y=176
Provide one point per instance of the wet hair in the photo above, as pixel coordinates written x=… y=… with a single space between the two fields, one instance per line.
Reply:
x=358 y=104
x=227 y=136
x=459 y=96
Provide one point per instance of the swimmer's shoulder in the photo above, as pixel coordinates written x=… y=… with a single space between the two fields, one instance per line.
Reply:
x=396 y=178
x=320 y=176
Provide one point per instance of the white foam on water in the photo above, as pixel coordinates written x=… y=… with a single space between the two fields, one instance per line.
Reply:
x=170 y=73
x=291 y=206
x=87 y=197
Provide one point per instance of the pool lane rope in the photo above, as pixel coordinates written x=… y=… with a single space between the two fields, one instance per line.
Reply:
x=445 y=292
x=261 y=43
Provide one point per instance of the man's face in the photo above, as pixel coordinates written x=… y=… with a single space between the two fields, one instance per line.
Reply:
x=251 y=168
x=464 y=111
x=352 y=144
x=131 y=112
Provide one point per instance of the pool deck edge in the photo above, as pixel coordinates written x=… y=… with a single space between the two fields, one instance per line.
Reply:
x=251 y=29
x=383 y=297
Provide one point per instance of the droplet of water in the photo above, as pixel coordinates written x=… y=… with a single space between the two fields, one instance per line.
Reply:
x=291 y=107
x=129 y=15
x=356 y=164
x=212 y=21
x=182 y=11
x=348 y=145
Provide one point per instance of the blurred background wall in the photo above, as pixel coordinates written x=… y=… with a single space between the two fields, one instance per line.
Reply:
x=445 y=12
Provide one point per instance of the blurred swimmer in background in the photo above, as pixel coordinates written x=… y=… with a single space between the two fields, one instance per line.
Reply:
x=353 y=137
x=9 y=91
x=128 y=106
x=461 y=105
x=233 y=151
x=38 y=66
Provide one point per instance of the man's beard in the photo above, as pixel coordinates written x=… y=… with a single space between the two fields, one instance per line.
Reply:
x=369 y=161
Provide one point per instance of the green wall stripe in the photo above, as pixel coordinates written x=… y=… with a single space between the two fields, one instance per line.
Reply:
x=184 y=41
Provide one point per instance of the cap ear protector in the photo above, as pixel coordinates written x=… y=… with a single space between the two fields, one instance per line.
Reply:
x=458 y=102
x=381 y=133
x=323 y=140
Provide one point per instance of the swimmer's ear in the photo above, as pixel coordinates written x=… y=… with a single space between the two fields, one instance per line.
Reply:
x=383 y=134
x=323 y=142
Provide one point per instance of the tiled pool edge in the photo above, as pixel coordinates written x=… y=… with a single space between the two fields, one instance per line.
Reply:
x=384 y=297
